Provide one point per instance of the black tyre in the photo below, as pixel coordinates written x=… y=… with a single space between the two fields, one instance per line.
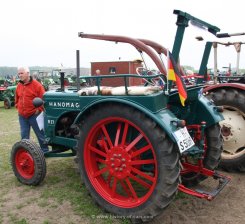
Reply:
x=232 y=128
x=214 y=143
x=129 y=165
x=7 y=103
x=28 y=162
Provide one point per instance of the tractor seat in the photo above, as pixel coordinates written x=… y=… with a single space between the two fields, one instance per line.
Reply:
x=119 y=91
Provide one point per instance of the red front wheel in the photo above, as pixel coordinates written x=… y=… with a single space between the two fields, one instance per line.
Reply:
x=28 y=162
x=128 y=163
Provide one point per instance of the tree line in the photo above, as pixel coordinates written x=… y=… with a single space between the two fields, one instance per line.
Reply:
x=9 y=72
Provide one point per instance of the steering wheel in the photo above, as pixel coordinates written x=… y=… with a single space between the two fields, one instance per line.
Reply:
x=158 y=81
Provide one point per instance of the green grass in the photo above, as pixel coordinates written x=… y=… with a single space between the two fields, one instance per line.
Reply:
x=61 y=184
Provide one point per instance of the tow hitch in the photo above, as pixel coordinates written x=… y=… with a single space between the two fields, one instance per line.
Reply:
x=222 y=181
x=197 y=153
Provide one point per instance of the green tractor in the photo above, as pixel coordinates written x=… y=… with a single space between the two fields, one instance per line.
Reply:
x=2 y=90
x=9 y=97
x=136 y=146
x=7 y=94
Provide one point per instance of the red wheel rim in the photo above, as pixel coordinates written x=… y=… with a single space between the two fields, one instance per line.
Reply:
x=114 y=162
x=24 y=164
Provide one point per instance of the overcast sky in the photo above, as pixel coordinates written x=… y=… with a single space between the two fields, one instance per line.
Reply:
x=45 y=32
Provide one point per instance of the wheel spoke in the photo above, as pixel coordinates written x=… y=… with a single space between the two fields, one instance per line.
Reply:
x=140 y=181
x=97 y=151
x=107 y=136
x=125 y=188
x=118 y=134
x=148 y=177
x=100 y=160
x=105 y=145
x=140 y=151
x=125 y=132
x=131 y=188
x=114 y=187
x=141 y=162
x=109 y=180
x=134 y=142
x=99 y=172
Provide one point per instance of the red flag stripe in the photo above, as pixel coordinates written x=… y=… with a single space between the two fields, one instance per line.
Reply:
x=174 y=72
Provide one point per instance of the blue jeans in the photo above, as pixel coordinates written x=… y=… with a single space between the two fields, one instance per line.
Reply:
x=25 y=128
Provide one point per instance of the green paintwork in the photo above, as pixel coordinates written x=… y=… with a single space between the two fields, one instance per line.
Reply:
x=198 y=108
x=182 y=22
x=59 y=104
x=203 y=66
x=183 y=19
x=68 y=106
x=9 y=93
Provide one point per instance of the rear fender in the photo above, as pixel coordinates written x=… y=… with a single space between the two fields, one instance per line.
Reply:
x=196 y=110
x=224 y=85
x=164 y=117
x=207 y=111
x=197 y=107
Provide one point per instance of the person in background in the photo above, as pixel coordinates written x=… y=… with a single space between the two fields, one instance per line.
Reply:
x=97 y=73
x=26 y=90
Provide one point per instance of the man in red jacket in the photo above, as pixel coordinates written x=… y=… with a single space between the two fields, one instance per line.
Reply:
x=27 y=89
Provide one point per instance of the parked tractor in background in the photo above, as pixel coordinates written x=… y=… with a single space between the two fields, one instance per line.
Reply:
x=7 y=94
x=136 y=146
x=230 y=94
x=2 y=90
x=9 y=97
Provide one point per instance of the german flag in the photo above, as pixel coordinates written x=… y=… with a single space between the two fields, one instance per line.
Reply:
x=174 y=75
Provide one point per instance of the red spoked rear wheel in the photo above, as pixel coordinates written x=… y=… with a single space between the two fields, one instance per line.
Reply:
x=127 y=162
x=114 y=163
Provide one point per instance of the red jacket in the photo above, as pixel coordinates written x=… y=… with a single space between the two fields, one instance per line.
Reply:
x=24 y=95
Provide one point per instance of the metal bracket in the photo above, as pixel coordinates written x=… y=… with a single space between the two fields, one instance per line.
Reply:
x=222 y=181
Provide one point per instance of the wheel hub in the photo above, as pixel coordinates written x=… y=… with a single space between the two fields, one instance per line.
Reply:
x=227 y=131
x=232 y=130
x=118 y=162
x=25 y=164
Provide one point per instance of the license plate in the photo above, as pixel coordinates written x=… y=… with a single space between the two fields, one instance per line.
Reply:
x=183 y=139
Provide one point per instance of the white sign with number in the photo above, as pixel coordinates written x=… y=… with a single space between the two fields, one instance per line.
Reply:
x=183 y=139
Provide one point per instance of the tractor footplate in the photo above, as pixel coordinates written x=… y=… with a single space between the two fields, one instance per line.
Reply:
x=59 y=153
x=209 y=195
x=54 y=154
